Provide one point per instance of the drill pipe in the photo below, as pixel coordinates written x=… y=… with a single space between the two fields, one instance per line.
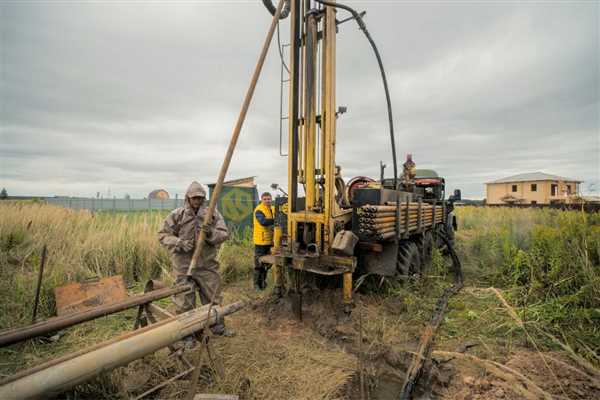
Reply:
x=385 y=219
x=387 y=211
x=387 y=235
x=54 y=324
x=402 y=221
x=384 y=225
x=393 y=208
x=387 y=224
x=48 y=380
x=386 y=230
x=391 y=222
x=389 y=214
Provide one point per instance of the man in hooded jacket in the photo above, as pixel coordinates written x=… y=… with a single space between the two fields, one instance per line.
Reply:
x=179 y=234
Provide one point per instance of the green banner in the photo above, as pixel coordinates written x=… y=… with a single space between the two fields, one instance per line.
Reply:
x=236 y=204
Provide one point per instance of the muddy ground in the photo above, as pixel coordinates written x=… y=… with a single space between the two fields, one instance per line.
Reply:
x=276 y=356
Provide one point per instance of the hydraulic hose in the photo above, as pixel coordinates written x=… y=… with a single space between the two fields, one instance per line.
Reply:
x=363 y=27
x=415 y=371
x=284 y=13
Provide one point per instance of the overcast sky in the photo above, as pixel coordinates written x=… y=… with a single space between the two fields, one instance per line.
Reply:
x=133 y=96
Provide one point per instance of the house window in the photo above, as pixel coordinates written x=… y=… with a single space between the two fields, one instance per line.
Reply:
x=534 y=187
x=568 y=189
x=554 y=189
x=514 y=188
x=533 y=202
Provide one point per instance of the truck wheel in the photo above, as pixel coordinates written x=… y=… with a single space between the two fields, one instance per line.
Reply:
x=426 y=244
x=409 y=259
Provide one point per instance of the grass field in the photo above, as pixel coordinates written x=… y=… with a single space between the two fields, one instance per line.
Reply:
x=546 y=264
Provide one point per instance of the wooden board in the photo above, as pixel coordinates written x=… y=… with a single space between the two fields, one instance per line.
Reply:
x=76 y=297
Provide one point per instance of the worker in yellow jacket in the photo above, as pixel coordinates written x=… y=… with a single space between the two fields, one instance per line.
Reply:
x=263 y=238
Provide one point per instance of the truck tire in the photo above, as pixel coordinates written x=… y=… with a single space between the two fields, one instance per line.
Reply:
x=426 y=243
x=409 y=259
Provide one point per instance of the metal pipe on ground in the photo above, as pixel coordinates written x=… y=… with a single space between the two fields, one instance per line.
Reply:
x=57 y=376
x=54 y=324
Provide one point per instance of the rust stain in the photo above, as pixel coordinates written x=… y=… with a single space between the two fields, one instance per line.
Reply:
x=76 y=297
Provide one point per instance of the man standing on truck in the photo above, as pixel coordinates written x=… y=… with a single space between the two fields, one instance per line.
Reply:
x=262 y=237
x=179 y=234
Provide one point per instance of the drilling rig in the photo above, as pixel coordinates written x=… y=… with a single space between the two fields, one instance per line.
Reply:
x=325 y=226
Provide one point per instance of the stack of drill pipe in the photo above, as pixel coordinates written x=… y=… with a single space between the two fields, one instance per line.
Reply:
x=379 y=221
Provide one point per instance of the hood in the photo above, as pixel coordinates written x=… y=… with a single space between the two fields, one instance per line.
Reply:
x=195 y=189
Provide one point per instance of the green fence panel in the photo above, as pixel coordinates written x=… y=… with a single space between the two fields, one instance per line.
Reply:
x=236 y=204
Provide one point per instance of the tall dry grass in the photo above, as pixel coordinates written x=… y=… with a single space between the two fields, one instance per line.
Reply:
x=82 y=245
x=547 y=260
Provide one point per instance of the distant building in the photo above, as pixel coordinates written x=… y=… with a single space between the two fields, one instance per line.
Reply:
x=532 y=188
x=159 y=194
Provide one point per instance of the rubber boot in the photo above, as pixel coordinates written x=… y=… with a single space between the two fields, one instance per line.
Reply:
x=257 y=277
x=263 y=278
x=220 y=329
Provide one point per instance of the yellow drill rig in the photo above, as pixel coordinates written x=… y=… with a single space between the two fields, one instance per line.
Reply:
x=323 y=225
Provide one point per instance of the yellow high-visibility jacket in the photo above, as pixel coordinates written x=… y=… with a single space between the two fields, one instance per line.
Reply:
x=262 y=235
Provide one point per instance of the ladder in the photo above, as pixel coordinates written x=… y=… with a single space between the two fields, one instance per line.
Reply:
x=284 y=79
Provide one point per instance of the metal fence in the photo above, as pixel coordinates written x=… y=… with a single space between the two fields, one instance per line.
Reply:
x=95 y=204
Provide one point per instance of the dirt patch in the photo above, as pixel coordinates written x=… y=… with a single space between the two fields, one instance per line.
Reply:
x=556 y=374
x=275 y=355
x=552 y=373
x=383 y=366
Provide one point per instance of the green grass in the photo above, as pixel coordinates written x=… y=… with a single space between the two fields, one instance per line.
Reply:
x=546 y=262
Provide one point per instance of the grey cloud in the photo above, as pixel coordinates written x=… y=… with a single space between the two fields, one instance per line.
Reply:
x=133 y=97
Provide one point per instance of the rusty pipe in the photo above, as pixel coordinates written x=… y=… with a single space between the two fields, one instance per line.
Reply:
x=54 y=324
x=57 y=377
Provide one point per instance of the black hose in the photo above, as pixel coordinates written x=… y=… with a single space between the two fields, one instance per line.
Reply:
x=284 y=12
x=363 y=27
x=415 y=371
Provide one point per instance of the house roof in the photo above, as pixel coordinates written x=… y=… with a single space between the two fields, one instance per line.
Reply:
x=159 y=194
x=534 y=176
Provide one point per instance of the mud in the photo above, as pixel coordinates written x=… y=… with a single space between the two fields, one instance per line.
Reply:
x=557 y=376
x=383 y=366
x=382 y=357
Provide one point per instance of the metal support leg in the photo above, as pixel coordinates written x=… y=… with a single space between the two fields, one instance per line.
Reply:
x=347 y=291
x=278 y=280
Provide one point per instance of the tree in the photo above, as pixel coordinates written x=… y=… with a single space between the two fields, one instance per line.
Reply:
x=3 y=194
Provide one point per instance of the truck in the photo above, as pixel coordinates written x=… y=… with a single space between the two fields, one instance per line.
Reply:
x=326 y=226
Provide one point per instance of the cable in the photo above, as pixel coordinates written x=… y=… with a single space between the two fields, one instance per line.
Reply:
x=363 y=27
x=284 y=12
x=415 y=370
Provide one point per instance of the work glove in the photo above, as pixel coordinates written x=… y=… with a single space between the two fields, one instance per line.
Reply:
x=184 y=245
